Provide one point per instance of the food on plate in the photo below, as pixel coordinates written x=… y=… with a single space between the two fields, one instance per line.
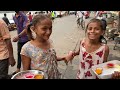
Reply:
x=29 y=76
x=38 y=76
x=110 y=65
x=98 y=71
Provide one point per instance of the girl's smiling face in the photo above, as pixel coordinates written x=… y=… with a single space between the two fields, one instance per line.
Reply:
x=94 y=31
x=43 y=29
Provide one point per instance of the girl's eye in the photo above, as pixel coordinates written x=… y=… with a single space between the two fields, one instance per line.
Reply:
x=44 y=28
x=50 y=28
x=97 y=29
x=90 y=28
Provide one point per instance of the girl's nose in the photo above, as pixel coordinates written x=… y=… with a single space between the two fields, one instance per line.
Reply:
x=93 y=30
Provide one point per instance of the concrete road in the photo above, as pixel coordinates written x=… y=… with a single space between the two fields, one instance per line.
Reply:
x=65 y=36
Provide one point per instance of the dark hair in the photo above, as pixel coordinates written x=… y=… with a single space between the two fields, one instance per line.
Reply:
x=101 y=25
x=29 y=12
x=5 y=14
x=16 y=11
x=37 y=19
x=29 y=32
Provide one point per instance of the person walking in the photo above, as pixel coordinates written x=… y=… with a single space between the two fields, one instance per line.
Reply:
x=6 y=50
x=21 y=21
x=6 y=19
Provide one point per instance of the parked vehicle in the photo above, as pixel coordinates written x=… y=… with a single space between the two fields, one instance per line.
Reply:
x=60 y=13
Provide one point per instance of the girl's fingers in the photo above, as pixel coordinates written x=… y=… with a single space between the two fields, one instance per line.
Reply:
x=116 y=75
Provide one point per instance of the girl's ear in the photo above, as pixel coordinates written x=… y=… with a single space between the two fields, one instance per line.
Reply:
x=32 y=28
x=103 y=32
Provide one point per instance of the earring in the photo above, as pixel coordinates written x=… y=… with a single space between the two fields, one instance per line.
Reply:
x=33 y=34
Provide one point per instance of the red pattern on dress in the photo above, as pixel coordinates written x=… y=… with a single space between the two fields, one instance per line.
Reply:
x=88 y=74
x=90 y=63
x=89 y=57
x=84 y=55
x=100 y=53
x=83 y=65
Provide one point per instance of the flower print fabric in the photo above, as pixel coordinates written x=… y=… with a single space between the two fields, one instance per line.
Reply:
x=87 y=60
x=44 y=60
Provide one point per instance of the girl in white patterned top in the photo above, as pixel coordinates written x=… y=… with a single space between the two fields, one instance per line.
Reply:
x=91 y=51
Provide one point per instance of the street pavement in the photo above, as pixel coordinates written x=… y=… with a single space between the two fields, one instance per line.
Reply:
x=65 y=36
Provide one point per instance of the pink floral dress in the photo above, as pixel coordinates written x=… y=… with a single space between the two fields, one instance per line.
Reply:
x=44 y=60
x=87 y=60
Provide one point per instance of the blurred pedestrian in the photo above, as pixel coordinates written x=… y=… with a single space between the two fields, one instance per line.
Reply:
x=30 y=17
x=6 y=19
x=53 y=15
x=21 y=22
x=6 y=50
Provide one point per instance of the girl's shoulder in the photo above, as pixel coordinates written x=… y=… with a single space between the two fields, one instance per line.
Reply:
x=106 y=47
x=27 y=45
x=51 y=43
x=82 y=41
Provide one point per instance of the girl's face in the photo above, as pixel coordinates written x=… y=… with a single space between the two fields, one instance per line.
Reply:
x=94 y=31
x=43 y=29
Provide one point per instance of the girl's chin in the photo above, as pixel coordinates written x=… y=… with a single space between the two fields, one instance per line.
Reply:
x=92 y=38
x=46 y=38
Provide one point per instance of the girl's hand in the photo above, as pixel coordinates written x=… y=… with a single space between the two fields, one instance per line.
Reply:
x=116 y=75
x=12 y=61
x=15 y=39
x=70 y=56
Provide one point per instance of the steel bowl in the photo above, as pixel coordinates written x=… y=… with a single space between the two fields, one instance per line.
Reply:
x=21 y=75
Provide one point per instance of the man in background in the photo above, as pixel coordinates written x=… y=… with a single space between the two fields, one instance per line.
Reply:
x=21 y=21
x=6 y=50
x=6 y=19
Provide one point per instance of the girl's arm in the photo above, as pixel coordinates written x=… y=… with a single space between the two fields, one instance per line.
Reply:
x=16 y=38
x=106 y=53
x=70 y=56
x=61 y=58
x=10 y=49
x=26 y=62
x=77 y=52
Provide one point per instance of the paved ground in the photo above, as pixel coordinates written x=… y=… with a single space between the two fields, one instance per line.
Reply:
x=65 y=36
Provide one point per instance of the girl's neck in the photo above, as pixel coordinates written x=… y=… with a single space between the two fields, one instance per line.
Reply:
x=41 y=43
x=93 y=42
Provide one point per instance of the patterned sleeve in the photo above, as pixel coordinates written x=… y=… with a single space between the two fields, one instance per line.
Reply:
x=25 y=50
x=4 y=31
